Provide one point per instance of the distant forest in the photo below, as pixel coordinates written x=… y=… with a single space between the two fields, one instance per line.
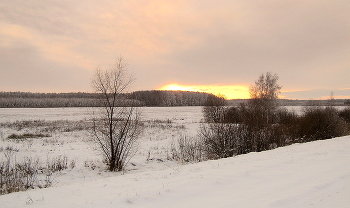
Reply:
x=141 y=98
x=170 y=98
x=289 y=102
x=155 y=98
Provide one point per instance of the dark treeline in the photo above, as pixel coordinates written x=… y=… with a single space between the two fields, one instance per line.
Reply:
x=46 y=100
x=288 y=102
x=140 y=98
x=80 y=99
x=170 y=98
x=47 y=95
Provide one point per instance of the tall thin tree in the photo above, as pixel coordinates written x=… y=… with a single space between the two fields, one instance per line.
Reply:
x=117 y=127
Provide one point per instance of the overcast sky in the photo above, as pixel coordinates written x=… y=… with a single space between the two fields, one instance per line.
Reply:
x=55 y=45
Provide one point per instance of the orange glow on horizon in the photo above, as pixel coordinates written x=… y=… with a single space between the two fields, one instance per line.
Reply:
x=229 y=91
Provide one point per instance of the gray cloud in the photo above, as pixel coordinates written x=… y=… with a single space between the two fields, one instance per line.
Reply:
x=297 y=43
x=24 y=69
x=317 y=93
x=197 y=43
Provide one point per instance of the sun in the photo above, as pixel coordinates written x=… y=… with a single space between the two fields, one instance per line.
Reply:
x=229 y=91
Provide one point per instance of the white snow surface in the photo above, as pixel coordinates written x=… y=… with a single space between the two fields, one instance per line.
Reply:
x=315 y=174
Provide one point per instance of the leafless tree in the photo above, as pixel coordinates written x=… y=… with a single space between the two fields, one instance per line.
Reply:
x=116 y=128
x=264 y=94
x=265 y=87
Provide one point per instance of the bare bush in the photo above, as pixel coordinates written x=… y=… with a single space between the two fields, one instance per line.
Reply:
x=345 y=114
x=18 y=176
x=187 y=149
x=48 y=126
x=319 y=123
x=9 y=148
x=233 y=115
x=27 y=136
x=219 y=140
x=28 y=173
x=23 y=124
x=57 y=163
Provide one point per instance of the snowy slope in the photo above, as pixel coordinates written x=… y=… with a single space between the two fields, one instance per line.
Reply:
x=315 y=174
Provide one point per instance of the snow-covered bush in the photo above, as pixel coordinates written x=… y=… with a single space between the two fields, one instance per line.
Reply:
x=187 y=149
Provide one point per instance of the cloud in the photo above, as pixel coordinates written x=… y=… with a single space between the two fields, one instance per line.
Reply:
x=290 y=39
x=201 y=42
x=25 y=69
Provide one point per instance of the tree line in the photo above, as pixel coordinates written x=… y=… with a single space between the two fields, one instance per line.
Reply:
x=80 y=99
x=170 y=98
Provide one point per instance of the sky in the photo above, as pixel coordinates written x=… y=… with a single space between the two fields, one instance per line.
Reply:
x=214 y=46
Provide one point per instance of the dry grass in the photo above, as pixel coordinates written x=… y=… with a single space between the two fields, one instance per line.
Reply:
x=20 y=175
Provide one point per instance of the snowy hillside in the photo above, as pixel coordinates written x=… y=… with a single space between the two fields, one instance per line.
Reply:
x=315 y=174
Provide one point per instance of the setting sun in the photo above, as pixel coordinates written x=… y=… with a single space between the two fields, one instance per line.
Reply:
x=229 y=91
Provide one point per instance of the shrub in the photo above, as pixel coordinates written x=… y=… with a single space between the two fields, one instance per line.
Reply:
x=187 y=149
x=233 y=115
x=345 y=114
x=28 y=173
x=9 y=148
x=17 y=176
x=285 y=117
x=49 y=126
x=57 y=163
x=318 y=123
x=27 y=136
x=219 y=140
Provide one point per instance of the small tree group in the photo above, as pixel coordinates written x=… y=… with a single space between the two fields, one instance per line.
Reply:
x=260 y=124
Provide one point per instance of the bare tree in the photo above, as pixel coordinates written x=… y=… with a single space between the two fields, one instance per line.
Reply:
x=265 y=87
x=117 y=128
x=264 y=95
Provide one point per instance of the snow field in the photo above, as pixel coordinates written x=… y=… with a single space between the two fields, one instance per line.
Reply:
x=162 y=126
x=315 y=174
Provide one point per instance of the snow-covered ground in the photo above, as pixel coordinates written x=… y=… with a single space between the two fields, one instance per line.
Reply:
x=315 y=174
